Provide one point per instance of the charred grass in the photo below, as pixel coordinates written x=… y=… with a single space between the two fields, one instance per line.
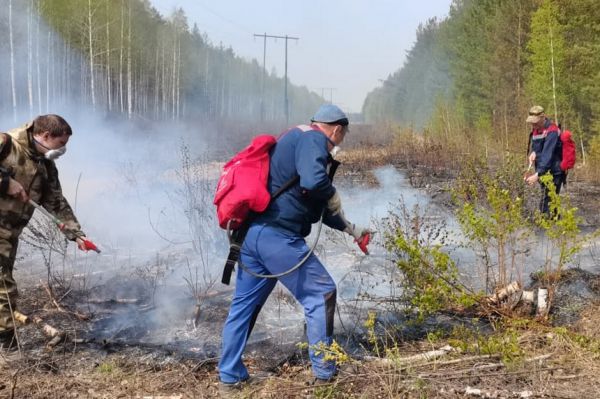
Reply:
x=512 y=359
x=519 y=360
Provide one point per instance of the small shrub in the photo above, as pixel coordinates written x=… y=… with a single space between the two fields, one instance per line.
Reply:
x=564 y=239
x=430 y=277
x=369 y=324
x=492 y=217
x=504 y=343
x=333 y=352
x=106 y=368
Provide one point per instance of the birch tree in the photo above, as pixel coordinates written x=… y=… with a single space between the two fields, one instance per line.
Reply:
x=12 y=62
x=29 y=59
x=547 y=82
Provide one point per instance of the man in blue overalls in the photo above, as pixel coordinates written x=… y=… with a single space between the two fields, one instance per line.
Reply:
x=275 y=244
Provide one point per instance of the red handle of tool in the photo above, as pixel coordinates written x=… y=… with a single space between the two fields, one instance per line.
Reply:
x=363 y=242
x=88 y=245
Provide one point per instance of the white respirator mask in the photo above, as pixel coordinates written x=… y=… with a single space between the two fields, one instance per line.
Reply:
x=334 y=151
x=55 y=154
x=52 y=154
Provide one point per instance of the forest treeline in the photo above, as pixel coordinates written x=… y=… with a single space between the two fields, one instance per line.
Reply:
x=478 y=71
x=121 y=57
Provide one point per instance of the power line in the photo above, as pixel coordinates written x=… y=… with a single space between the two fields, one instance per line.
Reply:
x=285 y=98
x=234 y=23
x=331 y=90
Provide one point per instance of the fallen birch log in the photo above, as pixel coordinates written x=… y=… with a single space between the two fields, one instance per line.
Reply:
x=426 y=356
x=528 y=296
x=542 y=302
x=50 y=331
x=504 y=292
x=55 y=341
x=421 y=357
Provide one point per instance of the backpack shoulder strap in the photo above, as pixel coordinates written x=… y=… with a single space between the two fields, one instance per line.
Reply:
x=285 y=186
x=5 y=173
x=5 y=145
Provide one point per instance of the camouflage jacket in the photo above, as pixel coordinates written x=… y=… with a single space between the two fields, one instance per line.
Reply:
x=39 y=178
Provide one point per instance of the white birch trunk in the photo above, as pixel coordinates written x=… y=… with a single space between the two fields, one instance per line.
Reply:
x=206 y=89
x=129 y=72
x=50 y=51
x=91 y=55
x=156 y=84
x=164 y=85
x=121 y=103
x=29 y=61
x=37 y=61
x=64 y=89
x=12 y=62
x=108 y=77
x=173 y=77
x=178 y=114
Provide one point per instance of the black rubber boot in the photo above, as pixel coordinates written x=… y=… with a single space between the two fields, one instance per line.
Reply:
x=8 y=340
x=9 y=349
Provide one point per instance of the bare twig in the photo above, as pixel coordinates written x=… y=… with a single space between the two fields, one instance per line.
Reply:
x=80 y=316
x=125 y=301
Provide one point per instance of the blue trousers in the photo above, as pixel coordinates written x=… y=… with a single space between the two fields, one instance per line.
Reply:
x=267 y=250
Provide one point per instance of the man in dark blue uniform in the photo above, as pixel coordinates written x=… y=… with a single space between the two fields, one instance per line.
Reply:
x=275 y=243
x=546 y=152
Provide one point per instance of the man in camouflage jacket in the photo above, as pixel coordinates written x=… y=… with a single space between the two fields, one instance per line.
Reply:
x=28 y=171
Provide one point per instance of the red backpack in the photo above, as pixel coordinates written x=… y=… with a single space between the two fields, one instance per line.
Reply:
x=242 y=186
x=242 y=190
x=568 y=151
x=568 y=155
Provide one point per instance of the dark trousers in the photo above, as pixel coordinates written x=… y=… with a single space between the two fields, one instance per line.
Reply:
x=8 y=285
x=545 y=202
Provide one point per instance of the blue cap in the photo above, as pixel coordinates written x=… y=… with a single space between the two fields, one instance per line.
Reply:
x=329 y=113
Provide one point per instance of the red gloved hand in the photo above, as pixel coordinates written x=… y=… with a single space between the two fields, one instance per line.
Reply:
x=362 y=236
x=86 y=245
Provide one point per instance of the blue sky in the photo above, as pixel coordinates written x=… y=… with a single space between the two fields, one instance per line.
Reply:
x=346 y=45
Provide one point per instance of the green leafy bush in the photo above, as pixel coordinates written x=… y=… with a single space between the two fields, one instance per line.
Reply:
x=430 y=277
x=491 y=214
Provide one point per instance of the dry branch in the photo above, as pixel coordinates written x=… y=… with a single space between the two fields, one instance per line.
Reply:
x=467 y=372
x=425 y=356
x=59 y=307
x=124 y=301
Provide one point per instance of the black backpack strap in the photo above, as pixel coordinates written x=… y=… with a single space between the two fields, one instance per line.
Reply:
x=288 y=184
x=236 y=238
x=6 y=143
x=333 y=168
x=5 y=173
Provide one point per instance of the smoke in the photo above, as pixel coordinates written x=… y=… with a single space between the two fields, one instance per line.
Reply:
x=125 y=181
x=362 y=205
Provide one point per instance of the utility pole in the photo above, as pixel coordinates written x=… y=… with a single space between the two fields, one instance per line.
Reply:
x=331 y=90
x=264 y=76
x=285 y=98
